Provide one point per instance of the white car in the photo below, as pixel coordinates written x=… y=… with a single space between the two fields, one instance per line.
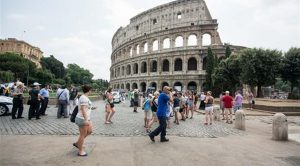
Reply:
x=117 y=97
x=6 y=104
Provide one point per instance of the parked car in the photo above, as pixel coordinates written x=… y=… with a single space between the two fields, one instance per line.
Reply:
x=6 y=105
x=117 y=97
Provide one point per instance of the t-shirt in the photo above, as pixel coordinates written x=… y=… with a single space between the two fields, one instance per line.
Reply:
x=73 y=94
x=136 y=96
x=34 y=93
x=163 y=105
x=227 y=101
x=238 y=99
x=176 y=102
x=84 y=101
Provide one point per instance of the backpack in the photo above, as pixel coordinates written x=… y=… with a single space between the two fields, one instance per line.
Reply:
x=74 y=114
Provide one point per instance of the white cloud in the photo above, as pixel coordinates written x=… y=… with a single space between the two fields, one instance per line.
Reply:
x=16 y=17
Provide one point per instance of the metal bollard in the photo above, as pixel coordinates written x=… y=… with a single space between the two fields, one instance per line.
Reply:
x=240 y=120
x=280 y=127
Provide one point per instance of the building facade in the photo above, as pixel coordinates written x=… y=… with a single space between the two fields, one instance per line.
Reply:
x=166 y=45
x=22 y=48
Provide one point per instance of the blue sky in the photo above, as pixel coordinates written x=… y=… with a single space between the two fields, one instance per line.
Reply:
x=78 y=31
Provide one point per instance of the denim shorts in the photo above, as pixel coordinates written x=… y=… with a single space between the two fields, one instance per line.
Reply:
x=79 y=122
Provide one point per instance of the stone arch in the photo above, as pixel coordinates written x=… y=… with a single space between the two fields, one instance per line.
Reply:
x=135 y=68
x=137 y=49
x=192 y=40
x=143 y=86
x=192 y=64
x=154 y=85
x=122 y=86
x=123 y=70
x=128 y=86
x=134 y=86
x=206 y=39
x=153 y=66
x=192 y=86
x=128 y=69
x=179 y=41
x=164 y=84
x=178 y=86
x=155 y=45
x=204 y=61
x=178 y=64
x=146 y=47
x=166 y=43
x=118 y=86
x=165 y=65
x=130 y=51
x=144 y=67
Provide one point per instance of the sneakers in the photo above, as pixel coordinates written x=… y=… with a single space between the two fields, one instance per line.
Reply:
x=151 y=138
x=164 y=140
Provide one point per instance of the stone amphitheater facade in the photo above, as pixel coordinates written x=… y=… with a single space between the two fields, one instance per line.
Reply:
x=166 y=45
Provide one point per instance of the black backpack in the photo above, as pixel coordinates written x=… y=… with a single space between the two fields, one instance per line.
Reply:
x=74 y=113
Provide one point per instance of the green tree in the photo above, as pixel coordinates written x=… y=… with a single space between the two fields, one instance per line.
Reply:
x=43 y=76
x=79 y=75
x=291 y=67
x=260 y=67
x=227 y=75
x=6 y=76
x=54 y=65
x=227 y=52
x=210 y=63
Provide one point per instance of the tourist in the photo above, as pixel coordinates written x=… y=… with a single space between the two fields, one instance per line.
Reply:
x=83 y=119
x=44 y=92
x=238 y=101
x=163 y=99
x=63 y=101
x=195 y=103
x=208 y=108
x=72 y=100
x=186 y=97
x=222 y=104
x=250 y=98
x=154 y=105
x=228 y=102
x=35 y=99
x=148 y=113
x=190 y=102
x=181 y=105
x=135 y=100
x=176 y=107
x=17 y=94
x=109 y=106
x=202 y=99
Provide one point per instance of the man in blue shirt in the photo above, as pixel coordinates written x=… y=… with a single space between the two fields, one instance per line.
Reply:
x=162 y=110
x=44 y=92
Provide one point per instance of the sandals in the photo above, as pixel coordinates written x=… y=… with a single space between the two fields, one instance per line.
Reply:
x=107 y=122
x=205 y=123
x=74 y=144
x=82 y=155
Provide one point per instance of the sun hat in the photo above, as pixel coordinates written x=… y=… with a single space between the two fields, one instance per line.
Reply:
x=36 y=84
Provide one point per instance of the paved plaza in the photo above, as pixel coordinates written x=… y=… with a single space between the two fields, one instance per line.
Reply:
x=48 y=141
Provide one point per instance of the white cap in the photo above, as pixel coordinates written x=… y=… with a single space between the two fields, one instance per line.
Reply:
x=227 y=92
x=36 y=84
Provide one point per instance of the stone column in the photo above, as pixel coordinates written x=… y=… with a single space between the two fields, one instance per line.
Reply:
x=280 y=127
x=240 y=120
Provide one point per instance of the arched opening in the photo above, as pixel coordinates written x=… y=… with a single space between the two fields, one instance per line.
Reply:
x=143 y=87
x=122 y=86
x=166 y=43
x=192 y=40
x=178 y=86
x=155 y=45
x=164 y=84
x=179 y=15
x=144 y=67
x=137 y=49
x=128 y=70
x=192 y=86
x=192 y=64
x=123 y=70
x=206 y=39
x=153 y=66
x=178 y=65
x=128 y=86
x=179 y=41
x=165 y=66
x=145 y=47
x=204 y=63
x=131 y=52
x=118 y=86
x=135 y=68
x=153 y=85
x=134 y=86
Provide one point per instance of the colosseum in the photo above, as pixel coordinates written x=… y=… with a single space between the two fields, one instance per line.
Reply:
x=166 y=45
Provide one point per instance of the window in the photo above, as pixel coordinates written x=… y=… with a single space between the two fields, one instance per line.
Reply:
x=145 y=47
x=179 y=15
x=135 y=68
x=192 y=40
x=137 y=27
x=144 y=67
x=137 y=49
x=206 y=39
x=165 y=66
x=155 y=45
x=131 y=52
x=128 y=70
x=192 y=64
x=178 y=65
x=179 y=41
x=153 y=66
x=154 y=21
x=166 y=43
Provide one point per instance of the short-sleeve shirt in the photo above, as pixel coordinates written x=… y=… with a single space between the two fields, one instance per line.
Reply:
x=44 y=92
x=227 y=101
x=176 y=102
x=34 y=93
x=84 y=101
x=238 y=99
x=162 y=109
x=136 y=96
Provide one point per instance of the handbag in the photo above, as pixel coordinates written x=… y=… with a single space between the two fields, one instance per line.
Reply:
x=253 y=102
x=74 y=114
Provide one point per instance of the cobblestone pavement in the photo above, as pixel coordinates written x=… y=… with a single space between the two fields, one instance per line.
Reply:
x=126 y=123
